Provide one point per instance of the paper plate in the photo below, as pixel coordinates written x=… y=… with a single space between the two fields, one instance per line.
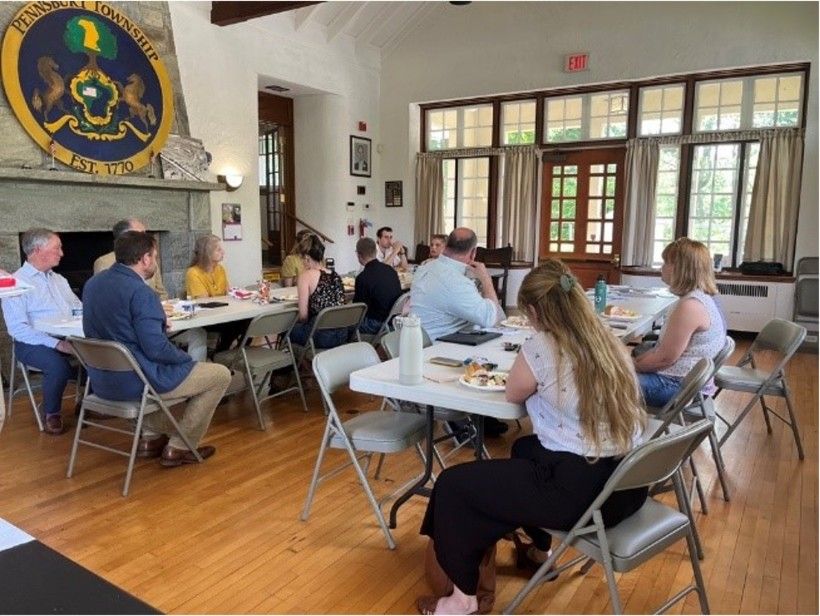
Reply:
x=515 y=323
x=463 y=380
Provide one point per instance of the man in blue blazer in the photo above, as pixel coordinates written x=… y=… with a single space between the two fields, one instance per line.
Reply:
x=119 y=306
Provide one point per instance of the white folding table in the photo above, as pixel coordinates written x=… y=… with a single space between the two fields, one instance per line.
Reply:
x=441 y=386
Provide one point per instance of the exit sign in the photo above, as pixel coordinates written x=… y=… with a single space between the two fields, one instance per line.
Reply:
x=576 y=62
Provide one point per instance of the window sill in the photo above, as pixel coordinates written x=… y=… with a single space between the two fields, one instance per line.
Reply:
x=724 y=275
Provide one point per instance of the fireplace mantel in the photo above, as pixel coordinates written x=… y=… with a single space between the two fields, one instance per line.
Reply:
x=72 y=177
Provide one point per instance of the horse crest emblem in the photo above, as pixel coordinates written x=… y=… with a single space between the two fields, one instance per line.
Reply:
x=87 y=84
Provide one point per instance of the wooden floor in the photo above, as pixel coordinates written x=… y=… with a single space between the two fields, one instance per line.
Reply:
x=225 y=537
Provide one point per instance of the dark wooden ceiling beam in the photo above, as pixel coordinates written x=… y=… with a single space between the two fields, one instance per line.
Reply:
x=225 y=13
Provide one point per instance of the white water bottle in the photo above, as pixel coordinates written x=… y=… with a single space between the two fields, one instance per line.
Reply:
x=410 y=350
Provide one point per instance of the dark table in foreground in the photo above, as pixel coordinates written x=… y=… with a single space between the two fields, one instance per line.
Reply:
x=34 y=579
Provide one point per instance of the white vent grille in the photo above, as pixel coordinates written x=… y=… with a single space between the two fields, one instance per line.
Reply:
x=743 y=290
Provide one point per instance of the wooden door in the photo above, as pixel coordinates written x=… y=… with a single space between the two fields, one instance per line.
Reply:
x=582 y=212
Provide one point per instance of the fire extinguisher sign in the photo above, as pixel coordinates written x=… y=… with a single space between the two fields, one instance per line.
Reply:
x=576 y=62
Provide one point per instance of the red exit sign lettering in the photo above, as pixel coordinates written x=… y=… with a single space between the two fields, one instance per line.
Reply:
x=576 y=62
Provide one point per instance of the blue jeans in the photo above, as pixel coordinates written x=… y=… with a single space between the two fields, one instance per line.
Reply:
x=55 y=368
x=370 y=326
x=322 y=339
x=658 y=389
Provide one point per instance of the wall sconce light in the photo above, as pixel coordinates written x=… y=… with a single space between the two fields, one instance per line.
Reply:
x=232 y=181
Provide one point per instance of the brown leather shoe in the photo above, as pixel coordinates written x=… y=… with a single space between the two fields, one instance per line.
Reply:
x=53 y=425
x=171 y=456
x=151 y=447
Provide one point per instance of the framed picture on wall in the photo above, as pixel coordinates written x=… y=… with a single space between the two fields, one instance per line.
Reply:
x=392 y=193
x=360 y=162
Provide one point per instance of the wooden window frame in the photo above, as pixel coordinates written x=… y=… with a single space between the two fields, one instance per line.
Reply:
x=689 y=80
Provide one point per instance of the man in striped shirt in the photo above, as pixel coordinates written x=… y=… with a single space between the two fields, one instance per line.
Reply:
x=50 y=297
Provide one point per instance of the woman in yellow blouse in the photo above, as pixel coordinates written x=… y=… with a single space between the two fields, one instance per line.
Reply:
x=292 y=266
x=206 y=277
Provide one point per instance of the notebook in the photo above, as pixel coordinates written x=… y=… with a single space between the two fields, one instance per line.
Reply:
x=471 y=339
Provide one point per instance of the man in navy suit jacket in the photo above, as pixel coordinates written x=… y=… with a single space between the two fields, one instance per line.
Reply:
x=119 y=306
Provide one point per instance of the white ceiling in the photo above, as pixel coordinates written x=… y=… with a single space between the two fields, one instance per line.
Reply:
x=378 y=24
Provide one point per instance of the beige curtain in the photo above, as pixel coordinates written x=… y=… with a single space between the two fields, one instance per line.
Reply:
x=429 y=197
x=775 y=200
x=639 y=214
x=518 y=218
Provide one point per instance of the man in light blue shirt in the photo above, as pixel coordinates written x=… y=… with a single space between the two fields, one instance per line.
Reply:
x=51 y=297
x=445 y=299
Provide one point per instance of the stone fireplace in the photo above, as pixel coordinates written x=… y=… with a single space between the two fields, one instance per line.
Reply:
x=65 y=202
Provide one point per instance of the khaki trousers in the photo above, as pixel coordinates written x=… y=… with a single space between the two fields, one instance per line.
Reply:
x=203 y=388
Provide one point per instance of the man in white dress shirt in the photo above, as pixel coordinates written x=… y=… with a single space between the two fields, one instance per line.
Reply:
x=389 y=251
x=51 y=297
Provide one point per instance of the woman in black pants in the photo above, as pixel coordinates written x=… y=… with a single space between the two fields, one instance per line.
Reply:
x=581 y=393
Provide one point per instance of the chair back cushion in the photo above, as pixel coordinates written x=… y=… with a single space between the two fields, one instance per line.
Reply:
x=422 y=252
x=349 y=315
x=690 y=387
x=723 y=354
x=780 y=335
x=333 y=367
x=656 y=459
x=104 y=355
x=500 y=257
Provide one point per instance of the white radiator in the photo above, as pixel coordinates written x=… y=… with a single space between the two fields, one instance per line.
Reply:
x=748 y=306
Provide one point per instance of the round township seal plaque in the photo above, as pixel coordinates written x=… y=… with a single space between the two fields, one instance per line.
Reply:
x=87 y=85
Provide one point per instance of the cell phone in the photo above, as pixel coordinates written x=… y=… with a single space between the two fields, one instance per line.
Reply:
x=447 y=361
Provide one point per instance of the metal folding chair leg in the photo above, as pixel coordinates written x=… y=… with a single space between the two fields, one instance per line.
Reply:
x=34 y=406
x=793 y=423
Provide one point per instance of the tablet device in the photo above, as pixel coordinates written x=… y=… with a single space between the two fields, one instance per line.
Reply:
x=212 y=304
x=471 y=339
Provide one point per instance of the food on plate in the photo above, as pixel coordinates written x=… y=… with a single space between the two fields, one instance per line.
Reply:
x=477 y=375
x=473 y=369
x=516 y=321
x=617 y=311
x=349 y=281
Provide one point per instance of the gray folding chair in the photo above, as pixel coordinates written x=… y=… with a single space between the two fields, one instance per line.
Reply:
x=646 y=533
x=703 y=407
x=670 y=419
x=784 y=338
x=115 y=357
x=387 y=326
x=336 y=317
x=390 y=344
x=29 y=374
x=365 y=434
x=258 y=363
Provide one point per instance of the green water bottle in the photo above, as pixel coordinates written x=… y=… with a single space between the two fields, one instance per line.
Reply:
x=600 y=294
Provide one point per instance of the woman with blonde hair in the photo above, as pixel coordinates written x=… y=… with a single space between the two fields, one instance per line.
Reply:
x=694 y=329
x=581 y=393
x=206 y=277
x=292 y=266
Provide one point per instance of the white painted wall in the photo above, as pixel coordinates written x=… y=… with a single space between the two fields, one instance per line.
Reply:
x=219 y=68
x=497 y=47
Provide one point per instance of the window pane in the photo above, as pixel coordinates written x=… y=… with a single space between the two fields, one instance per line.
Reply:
x=598 y=115
x=469 y=126
x=713 y=195
x=666 y=199
x=777 y=100
x=471 y=206
x=518 y=125
x=718 y=104
x=661 y=110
